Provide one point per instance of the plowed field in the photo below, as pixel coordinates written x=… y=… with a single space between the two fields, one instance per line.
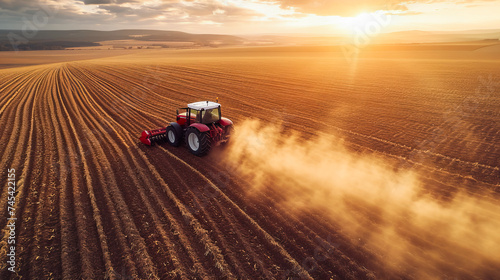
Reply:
x=376 y=169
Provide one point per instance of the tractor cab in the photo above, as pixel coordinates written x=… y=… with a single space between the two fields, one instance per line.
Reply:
x=205 y=112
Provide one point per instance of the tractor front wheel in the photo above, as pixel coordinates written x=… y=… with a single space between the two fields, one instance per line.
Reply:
x=198 y=142
x=173 y=136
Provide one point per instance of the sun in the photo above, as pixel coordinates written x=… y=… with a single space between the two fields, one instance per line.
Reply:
x=371 y=23
x=351 y=24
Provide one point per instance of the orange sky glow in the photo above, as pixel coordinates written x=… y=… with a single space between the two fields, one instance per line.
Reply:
x=320 y=17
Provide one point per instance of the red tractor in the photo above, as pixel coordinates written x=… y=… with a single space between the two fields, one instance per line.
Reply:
x=200 y=125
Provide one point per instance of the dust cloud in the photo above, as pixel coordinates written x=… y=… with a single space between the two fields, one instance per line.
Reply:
x=381 y=209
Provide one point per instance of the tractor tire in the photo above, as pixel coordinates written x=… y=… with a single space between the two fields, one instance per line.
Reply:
x=198 y=142
x=174 y=138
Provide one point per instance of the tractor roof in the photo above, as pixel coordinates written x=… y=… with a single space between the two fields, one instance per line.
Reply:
x=203 y=105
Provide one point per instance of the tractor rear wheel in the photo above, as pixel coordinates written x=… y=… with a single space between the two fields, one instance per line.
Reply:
x=173 y=136
x=198 y=142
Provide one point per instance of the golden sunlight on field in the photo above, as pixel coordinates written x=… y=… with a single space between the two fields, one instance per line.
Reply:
x=385 y=166
x=383 y=209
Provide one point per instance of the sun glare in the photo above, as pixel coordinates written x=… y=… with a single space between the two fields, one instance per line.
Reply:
x=364 y=23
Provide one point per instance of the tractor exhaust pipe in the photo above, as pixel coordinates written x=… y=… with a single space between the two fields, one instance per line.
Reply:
x=150 y=137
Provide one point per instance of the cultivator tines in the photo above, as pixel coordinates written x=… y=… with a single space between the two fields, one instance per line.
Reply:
x=154 y=136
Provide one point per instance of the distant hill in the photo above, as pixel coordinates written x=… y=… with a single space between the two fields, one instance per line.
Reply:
x=60 y=39
x=417 y=36
x=401 y=37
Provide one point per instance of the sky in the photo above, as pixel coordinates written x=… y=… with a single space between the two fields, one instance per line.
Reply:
x=316 y=17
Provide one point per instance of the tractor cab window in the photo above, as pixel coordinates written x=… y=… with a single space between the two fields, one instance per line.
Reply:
x=194 y=115
x=210 y=115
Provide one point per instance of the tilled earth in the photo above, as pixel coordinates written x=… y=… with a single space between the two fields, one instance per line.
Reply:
x=93 y=202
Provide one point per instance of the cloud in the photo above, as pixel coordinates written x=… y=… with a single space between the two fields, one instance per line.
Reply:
x=210 y=8
x=355 y=7
x=189 y=15
x=97 y=2
x=406 y=13
x=175 y=13
x=179 y=10
x=119 y=14
x=18 y=5
x=338 y=7
x=103 y=2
